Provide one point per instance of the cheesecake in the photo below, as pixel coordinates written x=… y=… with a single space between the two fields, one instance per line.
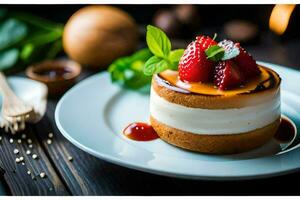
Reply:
x=216 y=106
x=204 y=119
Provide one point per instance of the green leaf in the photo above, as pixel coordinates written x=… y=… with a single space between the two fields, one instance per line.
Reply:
x=155 y=65
x=215 y=53
x=11 y=32
x=8 y=58
x=158 y=42
x=128 y=71
x=175 y=55
x=151 y=65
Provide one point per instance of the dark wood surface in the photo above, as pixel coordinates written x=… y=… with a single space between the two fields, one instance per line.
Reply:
x=87 y=175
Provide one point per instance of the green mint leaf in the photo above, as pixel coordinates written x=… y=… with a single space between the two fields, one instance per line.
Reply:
x=158 y=42
x=155 y=65
x=231 y=50
x=215 y=53
x=173 y=66
x=175 y=55
x=151 y=65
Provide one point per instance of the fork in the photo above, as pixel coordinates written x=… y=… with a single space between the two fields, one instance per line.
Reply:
x=14 y=110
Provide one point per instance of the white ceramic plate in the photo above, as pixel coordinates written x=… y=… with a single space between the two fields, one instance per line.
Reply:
x=93 y=114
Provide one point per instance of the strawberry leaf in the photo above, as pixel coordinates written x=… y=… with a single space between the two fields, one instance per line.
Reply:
x=215 y=53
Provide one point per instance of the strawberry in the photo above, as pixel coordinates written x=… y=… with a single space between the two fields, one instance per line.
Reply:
x=205 y=42
x=246 y=63
x=193 y=65
x=227 y=75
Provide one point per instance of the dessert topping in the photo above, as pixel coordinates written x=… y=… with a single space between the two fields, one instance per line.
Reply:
x=226 y=64
x=205 y=42
x=227 y=75
x=163 y=57
x=193 y=65
x=246 y=63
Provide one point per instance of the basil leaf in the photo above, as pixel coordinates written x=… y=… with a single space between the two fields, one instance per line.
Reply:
x=215 y=53
x=162 y=66
x=8 y=58
x=175 y=55
x=11 y=32
x=158 y=42
x=155 y=65
x=151 y=65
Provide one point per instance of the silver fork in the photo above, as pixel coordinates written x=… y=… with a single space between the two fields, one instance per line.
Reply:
x=14 y=111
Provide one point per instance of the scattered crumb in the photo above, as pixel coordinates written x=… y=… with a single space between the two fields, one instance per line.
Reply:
x=28 y=172
x=0 y=138
x=16 y=151
x=49 y=141
x=19 y=141
x=17 y=160
x=42 y=175
x=30 y=146
x=23 y=136
x=23 y=163
x=50 y=135
x=70 y=158
x=29 y=141
x=21 y=158
x=34 y=156
x=11 y=140
x=50 y=189
x=28 y=152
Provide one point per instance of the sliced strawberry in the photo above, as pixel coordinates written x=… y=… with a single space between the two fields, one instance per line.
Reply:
x=227 y=75
x=205 y=42
x=246 y=63
x=194 y=66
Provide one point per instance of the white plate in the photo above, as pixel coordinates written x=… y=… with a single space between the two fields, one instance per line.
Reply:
x=93 y=114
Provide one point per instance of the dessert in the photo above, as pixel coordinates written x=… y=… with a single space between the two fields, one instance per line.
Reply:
x=211 y=97
x=219 y=101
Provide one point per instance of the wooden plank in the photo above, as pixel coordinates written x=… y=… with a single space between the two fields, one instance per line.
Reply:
x=16 y=174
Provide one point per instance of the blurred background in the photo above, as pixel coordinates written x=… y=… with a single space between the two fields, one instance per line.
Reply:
x=31 y=34
x=270 y=32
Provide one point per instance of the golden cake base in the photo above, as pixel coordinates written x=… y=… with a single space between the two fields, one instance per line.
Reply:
x=215 y=144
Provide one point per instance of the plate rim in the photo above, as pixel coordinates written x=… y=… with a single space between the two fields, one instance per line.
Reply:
x=141 y=167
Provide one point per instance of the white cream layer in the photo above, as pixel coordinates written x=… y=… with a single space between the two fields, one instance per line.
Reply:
x=214 y=122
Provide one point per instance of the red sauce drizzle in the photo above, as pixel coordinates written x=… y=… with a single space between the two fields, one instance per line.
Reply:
x=285 y=132
x=140 y=132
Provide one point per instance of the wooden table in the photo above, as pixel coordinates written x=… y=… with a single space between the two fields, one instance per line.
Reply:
x=87 y=175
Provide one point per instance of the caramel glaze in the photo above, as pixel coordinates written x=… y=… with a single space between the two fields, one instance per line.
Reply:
x=268 y=79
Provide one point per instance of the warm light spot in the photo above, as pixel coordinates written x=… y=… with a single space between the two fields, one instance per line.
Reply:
x=280 y=17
